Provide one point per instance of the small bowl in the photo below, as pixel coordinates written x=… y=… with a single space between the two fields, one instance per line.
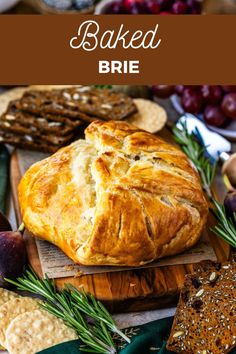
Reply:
x=7 y=4
x=45 y=9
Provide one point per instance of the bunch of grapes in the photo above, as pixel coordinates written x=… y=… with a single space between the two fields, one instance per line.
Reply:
x=216 y=103
x=162 y=7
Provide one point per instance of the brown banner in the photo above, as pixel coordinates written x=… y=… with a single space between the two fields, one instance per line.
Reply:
x=192 y=50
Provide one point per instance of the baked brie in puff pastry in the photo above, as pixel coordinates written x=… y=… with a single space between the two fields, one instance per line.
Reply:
x=122 y=196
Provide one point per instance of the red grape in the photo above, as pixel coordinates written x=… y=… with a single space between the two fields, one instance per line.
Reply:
x=216 y=103
x=192 y=88
x=162 y=7
x=194 y=7
x=196 y=88
x=213 y=115
x=165 y=13
x=134 y=6
x=228 y=105
x=179 y=7
x=229 y=88
x=191 y=101
x=165 y=5
x=211 y=94
x=152 y=6
x=163 y=91
x=179 y=89
x=230 y=204
x=114 y=8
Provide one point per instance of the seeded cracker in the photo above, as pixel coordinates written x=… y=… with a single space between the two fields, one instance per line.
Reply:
x=205 y=318
x=34 y=331
x=14 y=120
x=11 y=309
x=150 y=116
x=83 y=103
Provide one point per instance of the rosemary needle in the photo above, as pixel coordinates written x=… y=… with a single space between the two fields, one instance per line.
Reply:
x=196 y=153
x=226 y=227
x=71 y=306
x=95 y=309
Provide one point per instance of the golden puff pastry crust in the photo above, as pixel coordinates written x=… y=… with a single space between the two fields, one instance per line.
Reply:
x=122 y=196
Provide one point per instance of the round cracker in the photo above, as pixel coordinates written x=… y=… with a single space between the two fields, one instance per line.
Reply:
x=150 y=116
x=6 y=295
x=34 y=331
x=11 y=310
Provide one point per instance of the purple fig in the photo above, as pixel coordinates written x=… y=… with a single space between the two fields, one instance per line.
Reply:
x=230 y=204
x=12 y=256
x=4 y=223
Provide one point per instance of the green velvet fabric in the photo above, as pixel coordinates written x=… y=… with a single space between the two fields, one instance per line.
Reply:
x=147 y=339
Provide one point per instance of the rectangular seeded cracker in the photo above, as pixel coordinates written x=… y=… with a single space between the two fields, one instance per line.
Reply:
x=85 y=103
x=14 y=120
x=205 y=320
x=24 y=143
x=28 y=134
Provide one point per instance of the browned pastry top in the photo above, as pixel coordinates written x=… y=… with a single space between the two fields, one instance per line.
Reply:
x=122 y=196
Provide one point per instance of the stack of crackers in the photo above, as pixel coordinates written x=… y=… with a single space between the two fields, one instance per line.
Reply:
x=26 y=328
x=48 y=120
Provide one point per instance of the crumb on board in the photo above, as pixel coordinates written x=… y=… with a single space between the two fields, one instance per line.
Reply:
x=81 y=286
x=154 y=348
x=78 y=274
x=69 y=267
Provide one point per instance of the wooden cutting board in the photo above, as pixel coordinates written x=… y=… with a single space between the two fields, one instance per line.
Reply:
x=131 y=290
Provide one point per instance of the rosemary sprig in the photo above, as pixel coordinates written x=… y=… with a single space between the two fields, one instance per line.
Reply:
x=189 y=143
x=196 y=153
x=91 y=307
x=103 y=86
x=226 y=226
x=71 y=306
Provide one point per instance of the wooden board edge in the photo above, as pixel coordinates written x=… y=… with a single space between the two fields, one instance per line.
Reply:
x=15 y=178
